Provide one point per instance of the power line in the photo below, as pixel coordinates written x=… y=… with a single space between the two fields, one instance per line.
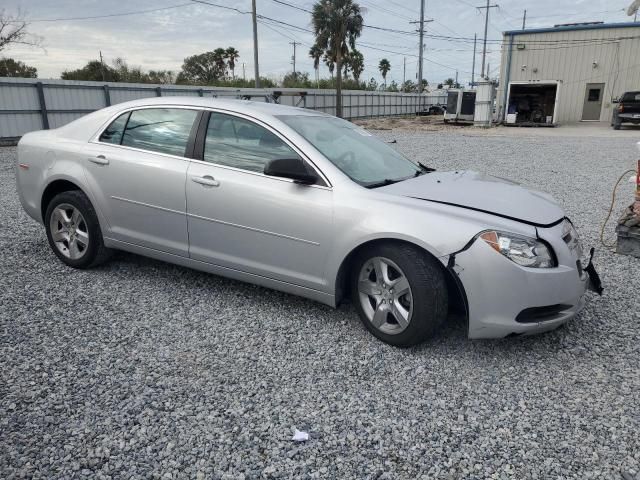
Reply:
x=365 y=45
x=495 y=42
x=291 y=6
x=385 y=10
x=466 y=3
x=110 y=15
x=273 y=29
x=413 y=55
x=402 y=6
x=221 y=6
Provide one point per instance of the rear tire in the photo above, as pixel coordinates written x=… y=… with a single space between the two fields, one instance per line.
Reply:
x=403 y=303
x=74 y=232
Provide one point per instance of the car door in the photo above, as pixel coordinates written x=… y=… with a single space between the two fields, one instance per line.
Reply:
x=137 y=170
x=242 y=219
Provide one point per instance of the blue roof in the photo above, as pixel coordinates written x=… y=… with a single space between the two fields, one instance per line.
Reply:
x=569 y=28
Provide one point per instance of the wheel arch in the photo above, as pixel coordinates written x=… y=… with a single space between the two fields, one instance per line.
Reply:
x=54 y=188
x=455 y=290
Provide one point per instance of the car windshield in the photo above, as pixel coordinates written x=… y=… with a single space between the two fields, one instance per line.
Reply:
x=366 y=159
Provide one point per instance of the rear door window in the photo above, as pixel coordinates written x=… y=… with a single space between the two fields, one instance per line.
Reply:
x=162 y=130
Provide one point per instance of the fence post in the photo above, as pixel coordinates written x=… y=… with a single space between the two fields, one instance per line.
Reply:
x=107 y=96
x=43 y=106
x=158 y=92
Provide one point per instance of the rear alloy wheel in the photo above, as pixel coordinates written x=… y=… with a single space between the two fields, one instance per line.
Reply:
x=69 y=231
x=73 y=230
x=399 y=292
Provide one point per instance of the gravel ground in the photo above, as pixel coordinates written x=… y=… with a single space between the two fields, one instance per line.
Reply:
x=141 y=369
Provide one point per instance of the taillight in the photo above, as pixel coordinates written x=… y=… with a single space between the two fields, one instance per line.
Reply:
x=620 y=108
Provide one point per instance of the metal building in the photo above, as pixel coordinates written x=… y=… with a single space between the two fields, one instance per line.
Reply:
x=568 y=73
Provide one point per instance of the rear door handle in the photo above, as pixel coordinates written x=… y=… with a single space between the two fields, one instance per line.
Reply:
x=100 y=160
x=207 y=181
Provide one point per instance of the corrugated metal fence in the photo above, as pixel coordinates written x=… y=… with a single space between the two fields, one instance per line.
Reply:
x=33 y=104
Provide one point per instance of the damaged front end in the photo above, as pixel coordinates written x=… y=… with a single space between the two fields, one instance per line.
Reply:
x=513 y=284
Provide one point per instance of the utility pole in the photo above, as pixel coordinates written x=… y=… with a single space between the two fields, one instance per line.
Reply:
x=473 y=65
x=244 y=76
x=255 y=42
x=486 y=26
x=404 y=70
x=101 y=65
x=524 y=20
x=456 y=78
x=293 y=58
x=421 y=47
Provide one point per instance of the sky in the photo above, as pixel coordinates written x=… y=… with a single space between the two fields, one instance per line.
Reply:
x=162 y=38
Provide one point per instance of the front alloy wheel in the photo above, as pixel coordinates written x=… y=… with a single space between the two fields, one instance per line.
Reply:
x=399 y=291
x=385 y=295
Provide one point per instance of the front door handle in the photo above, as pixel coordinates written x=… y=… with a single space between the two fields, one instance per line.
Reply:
x=100 y=160
x=207 y=181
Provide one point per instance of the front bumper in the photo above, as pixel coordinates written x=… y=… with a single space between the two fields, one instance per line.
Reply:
x=504 y=298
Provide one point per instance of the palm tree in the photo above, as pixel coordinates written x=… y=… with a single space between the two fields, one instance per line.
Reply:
x=331 y=64
x=384 y=66
x=231 y=54
x=346 y=67
x=316 y=53
x=356 y=60
x=219 y=55
x=336 y=24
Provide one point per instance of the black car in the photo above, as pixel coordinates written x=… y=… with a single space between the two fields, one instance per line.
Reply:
x=433 y=110
x=627 y=111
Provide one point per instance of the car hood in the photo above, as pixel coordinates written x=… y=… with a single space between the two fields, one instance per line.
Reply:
x=484 y=193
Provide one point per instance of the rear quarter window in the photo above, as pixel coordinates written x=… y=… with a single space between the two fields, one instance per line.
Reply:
x=113 y=133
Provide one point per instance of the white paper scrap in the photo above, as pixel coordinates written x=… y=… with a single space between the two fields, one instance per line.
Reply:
x=299 y=436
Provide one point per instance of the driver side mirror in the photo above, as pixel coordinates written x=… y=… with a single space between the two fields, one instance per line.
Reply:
x=615 y=100
x=292 y=168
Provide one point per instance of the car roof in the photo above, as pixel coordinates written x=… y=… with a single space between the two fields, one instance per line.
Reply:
x=247 y=107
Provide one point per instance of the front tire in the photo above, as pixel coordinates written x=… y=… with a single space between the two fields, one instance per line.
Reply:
x=399 y=292
x=74 y=232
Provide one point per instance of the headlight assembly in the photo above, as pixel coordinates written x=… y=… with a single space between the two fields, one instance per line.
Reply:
x=525 y=251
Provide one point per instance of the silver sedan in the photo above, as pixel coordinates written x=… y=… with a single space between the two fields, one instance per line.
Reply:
x=309 y=204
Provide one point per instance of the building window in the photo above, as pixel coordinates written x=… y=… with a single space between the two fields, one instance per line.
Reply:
x=594 y=94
